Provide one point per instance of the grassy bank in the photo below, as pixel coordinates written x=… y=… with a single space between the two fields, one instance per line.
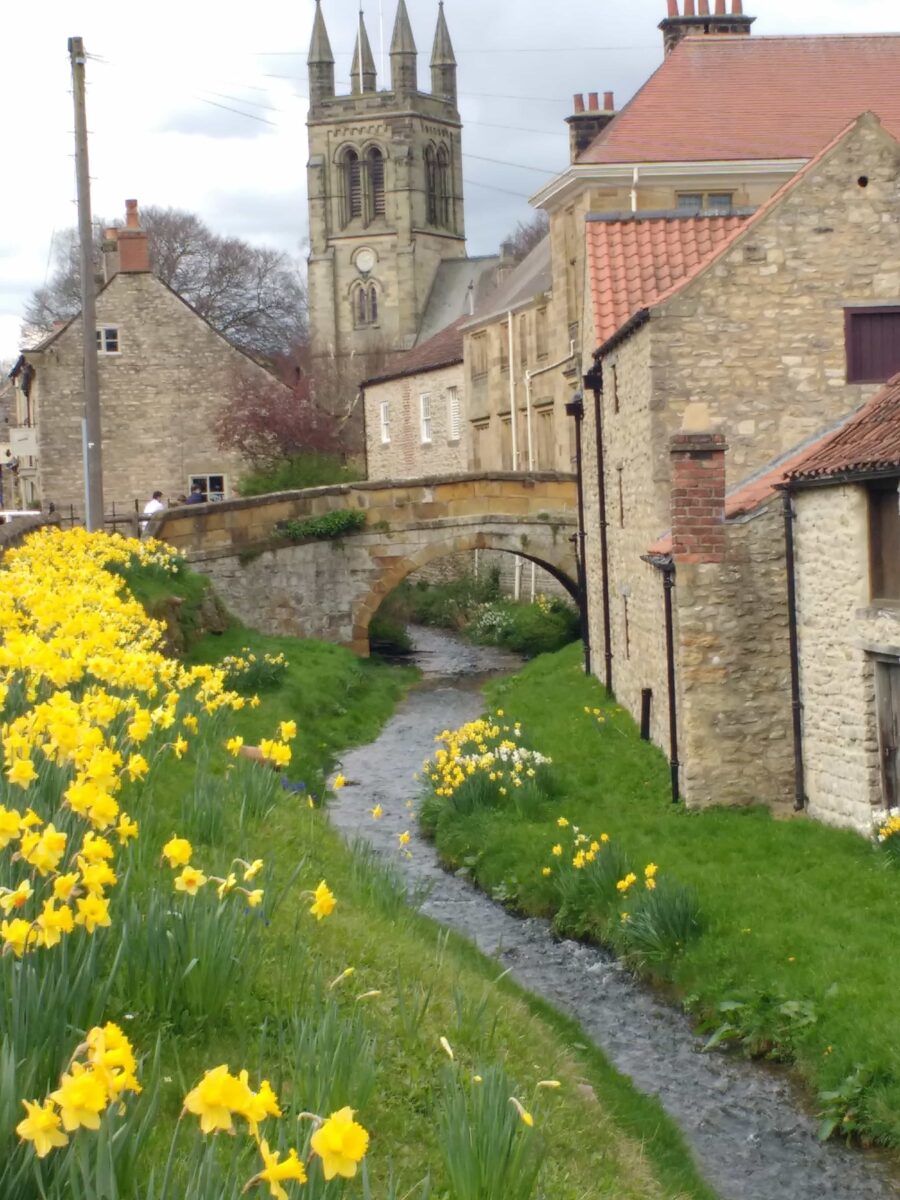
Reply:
x=794 y=961
x=265 y=945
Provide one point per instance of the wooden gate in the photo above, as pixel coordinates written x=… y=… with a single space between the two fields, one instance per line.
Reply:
x=887 y=701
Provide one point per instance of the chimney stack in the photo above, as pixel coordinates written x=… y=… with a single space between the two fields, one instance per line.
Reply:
x=133 y=247
x=110 y=250
x=698 y=489
x=676 y=25
x=586 y=122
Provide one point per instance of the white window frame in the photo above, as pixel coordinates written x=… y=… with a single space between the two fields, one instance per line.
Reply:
x=103 y=332
x=385 y=418
x=454 y=415
x=214 y=497
x=425 y=418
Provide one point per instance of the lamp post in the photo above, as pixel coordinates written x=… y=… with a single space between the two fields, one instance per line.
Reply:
x=575 y=409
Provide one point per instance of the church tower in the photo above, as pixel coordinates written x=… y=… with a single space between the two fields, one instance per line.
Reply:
x=385 y=189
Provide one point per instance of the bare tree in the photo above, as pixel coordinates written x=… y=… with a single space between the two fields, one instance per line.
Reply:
x=253 y=295
x=526 y=235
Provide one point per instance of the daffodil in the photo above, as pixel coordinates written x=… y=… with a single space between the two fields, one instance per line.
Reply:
x=190 y=881
x=41 y=1127
x=178 y=852
x=323 y=901
x=81 y=1097
x=341 y=1143
x=277 y=1172
x=93 y=913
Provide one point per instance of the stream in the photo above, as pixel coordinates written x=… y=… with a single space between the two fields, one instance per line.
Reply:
x=744 y=1123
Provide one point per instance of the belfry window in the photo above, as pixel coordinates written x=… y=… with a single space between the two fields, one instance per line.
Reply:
x=431 y=185
x=443 y=182
x=375 y=164
x=353 y=192
x=364 y=299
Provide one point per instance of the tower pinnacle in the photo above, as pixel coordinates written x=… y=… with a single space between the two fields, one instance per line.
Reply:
x=404 y=75
x=320 y=60
x=362 y=75
x=443 y=60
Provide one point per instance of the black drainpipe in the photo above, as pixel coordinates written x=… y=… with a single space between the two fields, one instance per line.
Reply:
x=594 y=381
x=796 y=704
x=668 y=570
x=575 y=409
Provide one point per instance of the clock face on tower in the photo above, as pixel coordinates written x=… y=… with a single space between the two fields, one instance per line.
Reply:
x=365 y=260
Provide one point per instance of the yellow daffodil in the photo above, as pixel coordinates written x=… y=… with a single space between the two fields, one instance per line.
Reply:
x=18 y=936
x=339 y=782
x=81 y=1097
x=177 y=851
x=251 y=871
x=21 y=772
x=323 y=901
x=288 y=730
x=404 y=838
x=341 y=1143
x=234 y=744
x=41 y=1127
x=377 y=812
x=93 y=913
x=277 y=1172
x=190 y=881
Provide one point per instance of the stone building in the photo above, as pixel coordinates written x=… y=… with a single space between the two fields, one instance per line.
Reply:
x=762 y=323
x=847 y=564
x=386 y=213
x=164 y=373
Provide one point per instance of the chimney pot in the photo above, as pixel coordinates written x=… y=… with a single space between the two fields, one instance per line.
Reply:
x=609 y=102
x=737 y=8
x=673 y=8
x=704 y=8
x=720 y=8
x=579 y=102
x=689 y=8
x=132 y=244
x=132 y=220
x=593 y=101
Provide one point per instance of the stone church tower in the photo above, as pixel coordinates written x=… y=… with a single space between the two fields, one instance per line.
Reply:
x=385 y=190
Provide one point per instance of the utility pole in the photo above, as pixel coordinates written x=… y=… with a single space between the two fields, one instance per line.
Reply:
x=91 y=434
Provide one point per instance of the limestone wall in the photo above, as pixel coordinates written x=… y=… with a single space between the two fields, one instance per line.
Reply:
x=733 y=669
x=159 y=399
x=839 y=633
x=405 y=455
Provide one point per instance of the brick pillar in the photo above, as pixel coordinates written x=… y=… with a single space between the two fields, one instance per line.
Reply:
x=698 y=496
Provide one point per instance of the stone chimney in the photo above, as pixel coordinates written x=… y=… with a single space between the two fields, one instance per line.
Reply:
x=587 y=121
x=698 y=489
x=678 y=25
x=134 y=249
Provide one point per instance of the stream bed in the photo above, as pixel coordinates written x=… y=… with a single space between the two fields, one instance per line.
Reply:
x=746 y=1128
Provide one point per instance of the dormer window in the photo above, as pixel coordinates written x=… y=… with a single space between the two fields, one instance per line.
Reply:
x=108 y=339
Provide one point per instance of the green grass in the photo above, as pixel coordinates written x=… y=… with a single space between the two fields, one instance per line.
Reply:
x=796 y=956
x=603 y=1138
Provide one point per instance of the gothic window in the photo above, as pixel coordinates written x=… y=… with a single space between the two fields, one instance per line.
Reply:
x=431 y=185
x=375 y=165
x=443 y=188
x=353 y=192
x=364 y=300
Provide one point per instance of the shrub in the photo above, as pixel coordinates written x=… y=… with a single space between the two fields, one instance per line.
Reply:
x=300 y=471
x=331 y=525
x=388 y=636
x=660 y=923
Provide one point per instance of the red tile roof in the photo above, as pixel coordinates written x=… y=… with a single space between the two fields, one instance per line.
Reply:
x=634 y=261
x=735 y=97
x=442 y=350
x=868 y=442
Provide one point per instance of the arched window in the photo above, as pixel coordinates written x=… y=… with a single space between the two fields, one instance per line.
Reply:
x=364 y=299
x=431 y=186
x=353 y=193
x=375 y=165
x=444 y=189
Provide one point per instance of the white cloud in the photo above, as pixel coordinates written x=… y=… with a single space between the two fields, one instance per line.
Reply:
x=161 y=69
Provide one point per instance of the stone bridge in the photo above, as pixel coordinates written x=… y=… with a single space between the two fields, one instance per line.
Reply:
x=331 y=589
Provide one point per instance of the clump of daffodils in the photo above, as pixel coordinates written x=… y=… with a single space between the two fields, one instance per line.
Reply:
x=482 y=748
x=888 y=826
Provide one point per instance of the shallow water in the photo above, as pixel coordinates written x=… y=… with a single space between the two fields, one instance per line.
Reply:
x=746 y=1128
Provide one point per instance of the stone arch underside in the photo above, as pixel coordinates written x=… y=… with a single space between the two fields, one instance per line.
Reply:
x=556 y=560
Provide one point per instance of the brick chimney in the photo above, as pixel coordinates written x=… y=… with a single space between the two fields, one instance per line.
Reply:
x=678 y=24
x=698 y=489
x=134 y=249
x=587 y=121
x=110 y=249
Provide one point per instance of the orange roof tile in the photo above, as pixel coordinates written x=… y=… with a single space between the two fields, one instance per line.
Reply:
x=736 y=98
x=634 y=260
x=869 y=442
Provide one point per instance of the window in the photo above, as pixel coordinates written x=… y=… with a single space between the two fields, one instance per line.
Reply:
x=546 y=439
x=385 y=412
x=375 y=172
x=212 y=487
x=453 y=415
x=479 y=355
x=108 y=339
x=704 y=202
x=480 y=435
x=873 y=344
x=431 y=185
x=884 y=539
x=523 y=341
x=353 y=191
x=506 y=458
x=540 y=333
x=443 y=182
x=364 y=299
x=425 y=418
x=504 y=348
x=614 y=386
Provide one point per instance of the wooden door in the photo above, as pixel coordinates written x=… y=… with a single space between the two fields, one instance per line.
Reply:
x=887 y=699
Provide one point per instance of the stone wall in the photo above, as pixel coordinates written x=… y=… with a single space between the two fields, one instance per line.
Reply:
x=159 y=396
x=733 y=668
x=405 y=455
x=839 y=632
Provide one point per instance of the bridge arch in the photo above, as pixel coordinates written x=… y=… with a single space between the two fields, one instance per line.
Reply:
x=556 y=561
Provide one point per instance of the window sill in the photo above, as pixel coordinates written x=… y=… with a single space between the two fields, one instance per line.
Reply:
x=879 y=608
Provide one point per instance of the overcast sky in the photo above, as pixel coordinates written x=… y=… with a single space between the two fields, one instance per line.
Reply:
x=168 y=75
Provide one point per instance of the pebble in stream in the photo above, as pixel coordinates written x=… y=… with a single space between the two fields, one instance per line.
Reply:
x=747 y=1132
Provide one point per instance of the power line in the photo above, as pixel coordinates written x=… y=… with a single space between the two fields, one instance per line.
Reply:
x=500 y=162
x=243 y=100
x=514 y=128
x=493 y=188
x=228 y=108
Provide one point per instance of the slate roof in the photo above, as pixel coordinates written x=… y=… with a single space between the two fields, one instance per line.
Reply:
x=634 y=259
x=531 y=277
x=739 y=98
x=867 y=444
x=443 y=350
x=456 y=280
